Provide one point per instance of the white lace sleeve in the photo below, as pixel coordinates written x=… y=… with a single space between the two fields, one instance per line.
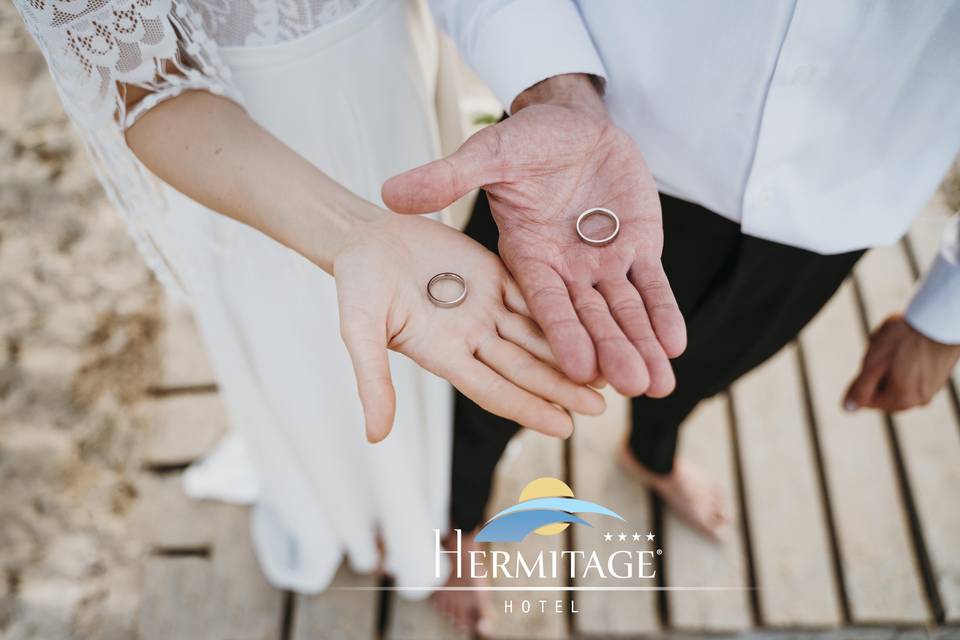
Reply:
x=92 y=47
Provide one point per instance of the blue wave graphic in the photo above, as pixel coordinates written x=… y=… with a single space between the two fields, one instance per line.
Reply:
x=570 y=505
x=515 y=523
x=514 y=527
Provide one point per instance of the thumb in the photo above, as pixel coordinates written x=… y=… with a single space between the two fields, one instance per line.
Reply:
x=438 y=184
x=863 y=389
x=367 y=346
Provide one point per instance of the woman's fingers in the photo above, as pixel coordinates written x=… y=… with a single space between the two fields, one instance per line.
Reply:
x=498 y=395
x=525 y=333
x=620 y=363
x=513 y=298
x=366 y=342
x=631 y=314
x=522 y=369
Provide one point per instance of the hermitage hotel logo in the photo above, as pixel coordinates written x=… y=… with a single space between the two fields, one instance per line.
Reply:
x=547 y=507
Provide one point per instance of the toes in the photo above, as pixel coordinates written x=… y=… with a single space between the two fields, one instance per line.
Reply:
x=444 y=606
x=462 y=615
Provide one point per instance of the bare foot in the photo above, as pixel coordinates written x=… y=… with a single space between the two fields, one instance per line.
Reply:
x=466 y=610
x=697 y=499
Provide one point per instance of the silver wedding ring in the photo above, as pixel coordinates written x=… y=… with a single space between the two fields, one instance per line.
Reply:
x=452 y=277
x=598 y=211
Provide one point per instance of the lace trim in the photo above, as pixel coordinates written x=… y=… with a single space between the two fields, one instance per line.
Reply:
x=263 y=22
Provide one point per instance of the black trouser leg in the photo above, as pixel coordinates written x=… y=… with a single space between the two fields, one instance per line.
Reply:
x=739 y=311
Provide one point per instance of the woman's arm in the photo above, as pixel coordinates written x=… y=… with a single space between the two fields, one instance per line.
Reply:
x=209 y=149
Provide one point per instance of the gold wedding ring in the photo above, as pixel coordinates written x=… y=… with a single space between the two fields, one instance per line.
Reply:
x=598 y=211
x=452 y=277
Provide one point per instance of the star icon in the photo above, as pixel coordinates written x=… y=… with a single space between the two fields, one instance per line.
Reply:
x=607 y=537
x=622 y=536
x=650 y=536
x=636 y=537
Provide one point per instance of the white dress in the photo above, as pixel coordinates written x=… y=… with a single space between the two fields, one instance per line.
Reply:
x=346 y=83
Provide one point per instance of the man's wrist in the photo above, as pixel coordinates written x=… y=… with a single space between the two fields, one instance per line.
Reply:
x=576 y=90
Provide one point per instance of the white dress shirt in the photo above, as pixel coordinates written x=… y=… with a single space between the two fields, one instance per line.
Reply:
x=820 y=124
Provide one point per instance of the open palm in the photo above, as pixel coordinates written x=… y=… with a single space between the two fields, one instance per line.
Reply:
x=487 y=347
x=607 y=306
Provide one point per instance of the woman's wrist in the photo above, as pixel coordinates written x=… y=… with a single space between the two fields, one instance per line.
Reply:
x=332 y=226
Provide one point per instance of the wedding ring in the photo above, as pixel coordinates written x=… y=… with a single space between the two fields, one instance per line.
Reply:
x=452 y=277
x=598 y=211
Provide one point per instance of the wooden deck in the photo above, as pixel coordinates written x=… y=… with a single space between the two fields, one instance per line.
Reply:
x=847 y=526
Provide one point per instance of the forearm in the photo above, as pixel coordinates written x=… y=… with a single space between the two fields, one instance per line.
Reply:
x=209 y=149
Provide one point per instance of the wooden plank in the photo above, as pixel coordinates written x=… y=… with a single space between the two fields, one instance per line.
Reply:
x=172 y=587
x=880 y=573
x=338 y=612
x=419 y=620
x=182 y=428
x=928 y=437
x=530 y=455
x=597 y=477
x=244 y=605
x=791 y=547
x=183 y=360
x=167 y=520
x=693 y=560
x=236 y=601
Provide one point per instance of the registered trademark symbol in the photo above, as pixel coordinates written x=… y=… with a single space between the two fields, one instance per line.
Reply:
x=659 y=552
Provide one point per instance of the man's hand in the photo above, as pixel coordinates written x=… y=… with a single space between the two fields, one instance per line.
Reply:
x=902 y=369
x=557 y=156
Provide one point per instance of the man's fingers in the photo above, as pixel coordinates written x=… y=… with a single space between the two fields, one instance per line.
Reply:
x=497 y=395
x=651 y=281
x=367 y=346
x=522 y=369
x=440 y=183
x=863 y=390
x=619 y=361
x=630 y=313
x=549 y=301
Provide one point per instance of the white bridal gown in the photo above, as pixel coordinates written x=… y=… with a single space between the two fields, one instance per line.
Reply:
x=347 y=84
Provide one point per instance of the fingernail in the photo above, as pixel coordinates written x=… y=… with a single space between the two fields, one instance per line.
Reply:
x=850 y=405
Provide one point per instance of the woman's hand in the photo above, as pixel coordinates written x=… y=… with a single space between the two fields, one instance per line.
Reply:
x=487 y=346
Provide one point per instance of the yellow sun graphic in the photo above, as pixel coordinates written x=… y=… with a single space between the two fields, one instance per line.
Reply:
x=547 y=488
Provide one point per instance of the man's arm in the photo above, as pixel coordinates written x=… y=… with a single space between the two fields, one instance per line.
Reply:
x=558 y=154
x=910 y=357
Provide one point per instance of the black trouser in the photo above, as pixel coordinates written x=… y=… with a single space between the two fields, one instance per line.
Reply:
x=743 y=299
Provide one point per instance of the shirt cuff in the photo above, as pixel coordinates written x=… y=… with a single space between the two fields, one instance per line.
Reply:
x=525 y=42
x=935 y=308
